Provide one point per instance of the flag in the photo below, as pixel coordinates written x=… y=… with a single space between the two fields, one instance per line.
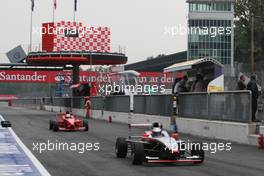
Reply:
x=32 y=5
x=75 y=5
x=55 y=4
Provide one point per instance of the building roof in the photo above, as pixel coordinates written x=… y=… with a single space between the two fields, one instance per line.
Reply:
x=157 y=64
x=189 y=64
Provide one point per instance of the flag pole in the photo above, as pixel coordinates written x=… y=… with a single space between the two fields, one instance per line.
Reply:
x=31 y=25
x=74 y=16
x=53 y=17
x=74 y=10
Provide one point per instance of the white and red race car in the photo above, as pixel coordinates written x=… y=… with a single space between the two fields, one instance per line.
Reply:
x=157 y=146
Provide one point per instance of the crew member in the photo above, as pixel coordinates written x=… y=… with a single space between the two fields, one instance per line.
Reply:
x=88 y=107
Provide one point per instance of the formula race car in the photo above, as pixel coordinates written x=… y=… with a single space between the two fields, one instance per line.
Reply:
x=68 y=122
x=157 y=146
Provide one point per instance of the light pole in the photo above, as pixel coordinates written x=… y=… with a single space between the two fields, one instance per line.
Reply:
x=252 y=45
x=253 y=69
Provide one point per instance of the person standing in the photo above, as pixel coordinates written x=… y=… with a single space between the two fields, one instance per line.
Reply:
x=241 y=83
x=88 y=107
x=198 y=85
x=180 y=86
x=240 y=107
x=253 y=87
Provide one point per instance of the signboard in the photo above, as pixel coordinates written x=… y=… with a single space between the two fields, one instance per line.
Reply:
x=27 y=76
x=16 y=55
x=217 y=85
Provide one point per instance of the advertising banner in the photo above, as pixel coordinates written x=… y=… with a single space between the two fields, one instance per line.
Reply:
x=31 y=76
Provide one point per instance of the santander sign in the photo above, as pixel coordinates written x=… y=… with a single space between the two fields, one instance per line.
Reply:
x=40 y=76
x=16 y=76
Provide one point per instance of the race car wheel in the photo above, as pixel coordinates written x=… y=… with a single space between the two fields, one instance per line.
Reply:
x=121 y=147
x=55 y=126
x=50 y=125
x=138 y=154
x=197 y=152
x=85 y=125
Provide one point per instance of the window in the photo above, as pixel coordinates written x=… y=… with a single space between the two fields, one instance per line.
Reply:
x=218 y=47
x=210 y=7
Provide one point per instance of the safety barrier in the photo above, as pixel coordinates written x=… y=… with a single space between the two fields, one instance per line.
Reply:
x=97 y=103
x=232 y=106
x=117 y=103
x=225 y=106
x=34 y=103
x=153 y=104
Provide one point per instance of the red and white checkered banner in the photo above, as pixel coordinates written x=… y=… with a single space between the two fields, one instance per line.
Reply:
x=73 y=36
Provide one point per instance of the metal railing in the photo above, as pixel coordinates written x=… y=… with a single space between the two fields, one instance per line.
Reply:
x=232 y=106
x=97 y=103
x=37 y=47
x=153 y=104
x=225 y=106
x=117 y=103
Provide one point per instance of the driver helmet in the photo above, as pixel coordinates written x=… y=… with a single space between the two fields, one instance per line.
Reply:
x=156 y=129
x=68 y=115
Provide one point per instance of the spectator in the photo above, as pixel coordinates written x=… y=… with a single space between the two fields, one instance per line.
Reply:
x=253 y=87
x=181 y=86
x=198 y=85
x=241 y=83
x=176 y=81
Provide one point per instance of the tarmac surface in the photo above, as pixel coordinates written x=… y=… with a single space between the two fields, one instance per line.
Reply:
x=31 y=126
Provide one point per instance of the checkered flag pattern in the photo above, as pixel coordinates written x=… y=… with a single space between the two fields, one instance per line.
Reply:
x=73 y=36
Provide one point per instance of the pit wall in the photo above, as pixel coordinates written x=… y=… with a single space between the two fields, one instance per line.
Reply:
x=242 y=133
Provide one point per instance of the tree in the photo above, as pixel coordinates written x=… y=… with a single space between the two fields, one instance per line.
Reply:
x=244 y=9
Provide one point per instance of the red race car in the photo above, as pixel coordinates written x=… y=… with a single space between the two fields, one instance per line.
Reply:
x=68 y=122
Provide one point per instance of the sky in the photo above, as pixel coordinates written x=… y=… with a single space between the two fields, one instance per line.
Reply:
x=139 y=25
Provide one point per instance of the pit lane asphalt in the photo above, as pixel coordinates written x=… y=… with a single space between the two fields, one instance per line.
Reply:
x=31 y=126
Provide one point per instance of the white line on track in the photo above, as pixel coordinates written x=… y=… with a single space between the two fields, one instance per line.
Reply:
x=34 y=160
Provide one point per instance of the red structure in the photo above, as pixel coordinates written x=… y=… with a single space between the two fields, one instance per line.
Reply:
x=72 y=43
x=73 y=36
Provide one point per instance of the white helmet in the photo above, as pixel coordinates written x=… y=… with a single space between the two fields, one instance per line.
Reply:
x=156 y=129
x=68 y=115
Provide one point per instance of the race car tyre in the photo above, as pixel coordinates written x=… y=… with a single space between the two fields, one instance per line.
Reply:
x=51 y=125
x=121 y=147
x=138 y=154
x=85 y=125
x=55 y=126
x=197 y=151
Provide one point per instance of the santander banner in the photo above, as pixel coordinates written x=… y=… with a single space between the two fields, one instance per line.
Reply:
x=28 y=76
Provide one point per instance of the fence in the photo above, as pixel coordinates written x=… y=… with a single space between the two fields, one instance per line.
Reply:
x=153 y=104
x=225 y=106
x=29 y=103
x=117 y=103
